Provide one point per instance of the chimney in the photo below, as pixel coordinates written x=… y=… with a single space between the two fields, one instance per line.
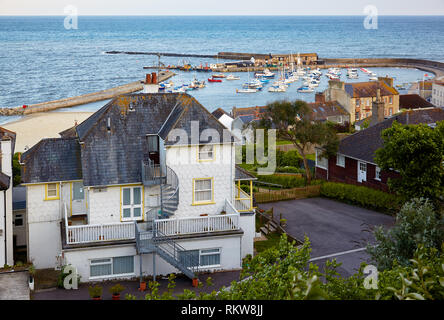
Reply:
x=151 y=85
x=319 y=97
x=388 y=81
x=378 y=107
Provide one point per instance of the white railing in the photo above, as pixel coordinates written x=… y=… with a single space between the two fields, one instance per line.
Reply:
x=242 y=201
x=100 y=232
x=180 y=226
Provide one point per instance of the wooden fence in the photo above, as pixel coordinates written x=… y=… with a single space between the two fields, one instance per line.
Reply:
x=288 y=194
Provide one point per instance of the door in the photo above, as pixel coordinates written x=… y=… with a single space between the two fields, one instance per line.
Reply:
x=78 y=204
x=153 y=148
x=362 y=171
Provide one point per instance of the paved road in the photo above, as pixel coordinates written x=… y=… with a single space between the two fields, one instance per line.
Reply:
x=332 y=227
x=14 y=286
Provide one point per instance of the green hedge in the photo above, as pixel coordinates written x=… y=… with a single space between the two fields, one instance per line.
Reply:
x=362 y=196
x=285 y=181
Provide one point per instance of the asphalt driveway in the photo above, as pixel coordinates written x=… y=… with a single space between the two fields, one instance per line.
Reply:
x=336 y=230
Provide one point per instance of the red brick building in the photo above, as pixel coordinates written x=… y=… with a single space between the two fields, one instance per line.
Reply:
x=354 y=163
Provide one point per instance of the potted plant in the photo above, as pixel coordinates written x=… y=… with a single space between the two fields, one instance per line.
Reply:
x=195 y=280
x=142 y=285
x=223 y=212
x=31 y=271
x=95 y=292
x=116 y=290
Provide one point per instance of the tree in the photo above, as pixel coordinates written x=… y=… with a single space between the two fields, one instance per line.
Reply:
x=294 y=122
x=416 y=224
x=416 y=152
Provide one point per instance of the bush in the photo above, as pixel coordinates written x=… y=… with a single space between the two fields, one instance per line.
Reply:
x=290 y=169
x=416 y=224
x=285 y=181
x=362 y=196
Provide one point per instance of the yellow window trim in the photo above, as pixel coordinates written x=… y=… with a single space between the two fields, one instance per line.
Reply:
x=57 y=197
x=212 y=192
x=143 y=201
x=206 y=160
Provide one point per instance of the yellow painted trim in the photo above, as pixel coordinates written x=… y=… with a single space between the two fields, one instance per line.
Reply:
x=206 y=160
x=57 y=197
x=212 y=192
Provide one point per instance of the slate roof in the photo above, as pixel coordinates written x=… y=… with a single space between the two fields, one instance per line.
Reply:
x=52 y=160
x=323 y=110
x=413 y=101
x=363 y=144
x=242 y=174
x=369 y=89
x=219 y=113
x=113 y=139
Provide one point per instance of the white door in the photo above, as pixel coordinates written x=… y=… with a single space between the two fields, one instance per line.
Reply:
x=78 y=199
x=362 y=171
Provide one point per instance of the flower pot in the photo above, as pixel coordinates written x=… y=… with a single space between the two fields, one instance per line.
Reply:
x=116 y=296
x=31 y=283
x=97 y=298
x=142 y=286
x=195 y=282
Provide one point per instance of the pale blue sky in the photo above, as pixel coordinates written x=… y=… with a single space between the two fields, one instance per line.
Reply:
x=225 y=7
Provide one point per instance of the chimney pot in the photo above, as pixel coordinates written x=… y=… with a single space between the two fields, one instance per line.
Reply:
x=154 y=78
x=148 y=78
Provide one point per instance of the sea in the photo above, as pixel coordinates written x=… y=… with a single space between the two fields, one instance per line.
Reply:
x=41 y=60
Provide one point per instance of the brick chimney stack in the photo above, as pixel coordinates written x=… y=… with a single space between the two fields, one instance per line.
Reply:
x=150 y=85
x=320 y=97
x=378 y=107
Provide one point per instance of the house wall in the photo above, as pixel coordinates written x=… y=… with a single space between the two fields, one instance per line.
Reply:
x=438 y=95
x=6 y=222
x=229 y=245
x=349 y=174
x=248 y=225
x=183 y=160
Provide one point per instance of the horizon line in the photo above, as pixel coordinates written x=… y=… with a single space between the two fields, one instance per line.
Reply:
x=222 y=15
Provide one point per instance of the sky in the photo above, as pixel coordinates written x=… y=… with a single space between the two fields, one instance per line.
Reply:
x=226 y=7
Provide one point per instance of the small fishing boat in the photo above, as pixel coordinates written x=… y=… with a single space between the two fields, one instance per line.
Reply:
x=248 y=90
x=305 y=89
x=277 y=89
x=219 y=75
x=232 y=77
x=214 y=80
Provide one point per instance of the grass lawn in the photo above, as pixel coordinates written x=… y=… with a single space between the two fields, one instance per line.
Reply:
x=272 y=241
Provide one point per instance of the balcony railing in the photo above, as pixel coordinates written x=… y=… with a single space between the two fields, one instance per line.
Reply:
x=152 y=173
x=215 y=223
x=243 y=201
x=89 y=233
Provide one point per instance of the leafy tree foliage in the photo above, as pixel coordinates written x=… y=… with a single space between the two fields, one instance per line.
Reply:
x=416 y=224
x=417 y=153
x=294 y=122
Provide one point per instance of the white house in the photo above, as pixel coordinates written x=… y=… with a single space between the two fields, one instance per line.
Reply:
x=142 y=187
x=7 y=144
x=438 y=94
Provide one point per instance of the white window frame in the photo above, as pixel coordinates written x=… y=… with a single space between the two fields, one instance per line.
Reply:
x=378 y=173
x=215 y=252
x=19 y=216
x=111 y=263
x=340 y=160
x=318 y=161
x=205 y=155
x=195 y=191
x=132 y=205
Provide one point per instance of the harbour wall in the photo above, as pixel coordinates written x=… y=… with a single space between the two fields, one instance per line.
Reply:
x=83 y=99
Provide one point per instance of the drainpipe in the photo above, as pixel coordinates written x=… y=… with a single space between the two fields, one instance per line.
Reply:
x=6 y=227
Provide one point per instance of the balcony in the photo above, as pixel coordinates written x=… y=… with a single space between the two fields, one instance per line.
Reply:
x=152 y=174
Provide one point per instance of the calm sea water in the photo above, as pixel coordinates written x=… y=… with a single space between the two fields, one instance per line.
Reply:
x=40 y=60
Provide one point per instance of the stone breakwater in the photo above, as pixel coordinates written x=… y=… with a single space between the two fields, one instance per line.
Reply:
x=83 y=99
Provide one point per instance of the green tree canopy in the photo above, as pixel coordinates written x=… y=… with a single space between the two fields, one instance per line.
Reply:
x=417 y=153
x=294 y=122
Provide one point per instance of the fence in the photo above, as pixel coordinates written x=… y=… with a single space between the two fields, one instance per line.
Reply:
x=288 y=194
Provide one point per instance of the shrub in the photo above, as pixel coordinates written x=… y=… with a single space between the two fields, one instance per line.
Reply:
x=416 y=224
x=95 y=291
x=116 y=289
x=362 y=196
x=285 y=181
x=290 y=169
